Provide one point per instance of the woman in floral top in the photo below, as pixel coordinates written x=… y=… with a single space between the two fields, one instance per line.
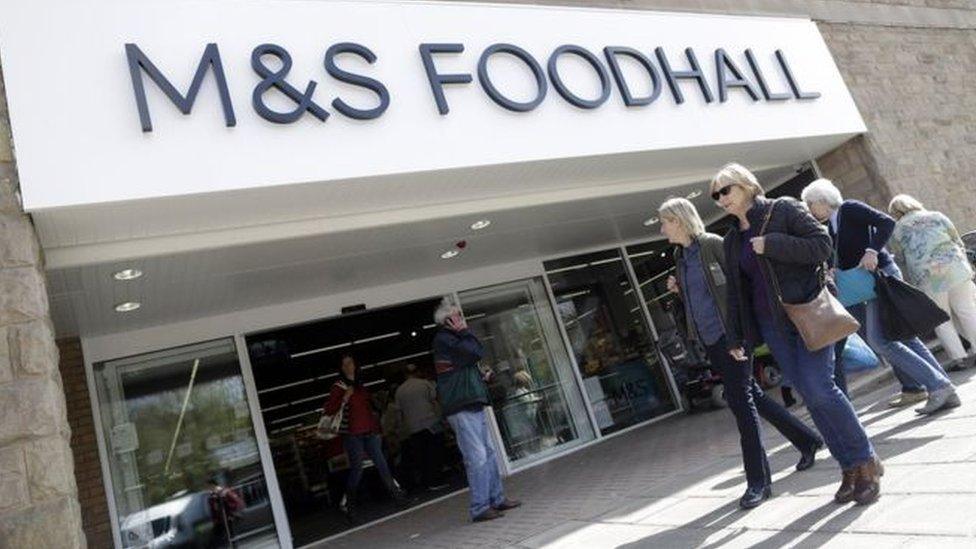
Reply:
x=927 y=244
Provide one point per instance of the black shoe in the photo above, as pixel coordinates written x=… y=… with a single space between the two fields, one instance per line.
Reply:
x=754 y=496
x=809 y=457
x=788 y=399
x=490 y=514
x=508 y=504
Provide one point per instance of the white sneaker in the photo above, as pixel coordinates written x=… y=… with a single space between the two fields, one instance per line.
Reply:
x=940 y=399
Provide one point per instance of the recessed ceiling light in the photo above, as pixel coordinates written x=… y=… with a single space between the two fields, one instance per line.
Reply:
x=127 y=274
x=650 y=221
x=127 y=306
x=693 y=194
x=480 y=224
x=450 y=254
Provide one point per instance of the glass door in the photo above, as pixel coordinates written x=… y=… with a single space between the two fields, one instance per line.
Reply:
x=183 y=457
x=534 y=394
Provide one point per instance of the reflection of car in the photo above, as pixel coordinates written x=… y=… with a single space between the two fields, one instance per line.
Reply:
x=174 y=523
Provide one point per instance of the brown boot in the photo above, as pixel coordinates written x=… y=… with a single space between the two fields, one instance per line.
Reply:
x=867 y=484
x=845 y=494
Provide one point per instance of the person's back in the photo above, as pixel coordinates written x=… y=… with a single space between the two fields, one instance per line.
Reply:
x=416 y=399
x=928 y=245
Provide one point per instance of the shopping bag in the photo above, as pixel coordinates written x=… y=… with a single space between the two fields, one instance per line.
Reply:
x=857 y=356
x=906 y=311
x=854 y=286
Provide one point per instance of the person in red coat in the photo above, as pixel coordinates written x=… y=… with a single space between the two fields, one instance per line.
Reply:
x=360 y=431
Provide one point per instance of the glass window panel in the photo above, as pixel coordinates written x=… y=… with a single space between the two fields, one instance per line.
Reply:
x=622 y=374
x=183 y=456
x=534 y=394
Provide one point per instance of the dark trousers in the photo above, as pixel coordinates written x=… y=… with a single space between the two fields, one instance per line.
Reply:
x=425 y=452
x=748 y=402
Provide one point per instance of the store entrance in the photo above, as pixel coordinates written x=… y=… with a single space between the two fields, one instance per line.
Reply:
x=294 y=370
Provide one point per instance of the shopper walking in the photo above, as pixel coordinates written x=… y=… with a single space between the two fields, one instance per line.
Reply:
x=416 y=399
x=774 y=256
x=859 y=234
x=360 y=433
x=928 y=246
x=463 y=395
x=701 y=283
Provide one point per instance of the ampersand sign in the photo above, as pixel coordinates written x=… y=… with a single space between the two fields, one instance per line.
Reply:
x=276 y=79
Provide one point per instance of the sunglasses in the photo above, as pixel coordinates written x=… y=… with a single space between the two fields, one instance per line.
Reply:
x=724 y=191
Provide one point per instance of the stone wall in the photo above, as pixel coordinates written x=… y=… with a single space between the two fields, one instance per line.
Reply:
x=38 y=495
x=916 y=90
x=95 y=519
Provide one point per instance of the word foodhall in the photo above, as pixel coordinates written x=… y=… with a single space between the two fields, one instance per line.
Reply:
x=728 y=75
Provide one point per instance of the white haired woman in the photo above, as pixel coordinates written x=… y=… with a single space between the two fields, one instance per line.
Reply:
x=860 y=234
x=927 y=245
x=775 y=256
x=701 y=284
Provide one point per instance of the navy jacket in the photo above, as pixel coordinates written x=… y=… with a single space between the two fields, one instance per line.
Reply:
x=860 y=227
x=796 y=247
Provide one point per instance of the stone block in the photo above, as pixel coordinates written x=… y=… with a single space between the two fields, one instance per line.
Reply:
x=23 y=297
x=9 y=188
x=6 y=357
x=18 y=244
x=55 y=524
x=31 y=408
x=36 y=351
x=50 y=469
x=13 y=479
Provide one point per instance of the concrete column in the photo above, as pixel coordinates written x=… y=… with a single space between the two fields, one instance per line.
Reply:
x=38 y=495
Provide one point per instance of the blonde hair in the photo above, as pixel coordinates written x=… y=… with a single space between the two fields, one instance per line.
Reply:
x=736 y=174
x=684 y=212
x=902 y=204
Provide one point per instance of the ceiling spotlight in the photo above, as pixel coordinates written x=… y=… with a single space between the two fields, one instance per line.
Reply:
x=127 y=306
x=127 y=274
x=480 y=224
x=693 y=195
x=450 y=254
x=650 y=221
x=413 y=334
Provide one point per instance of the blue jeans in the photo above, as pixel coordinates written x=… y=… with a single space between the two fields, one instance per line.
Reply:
x=812 y=374
x=357 y=446
x=478 y=450
x=748 y=402
x=913 y=363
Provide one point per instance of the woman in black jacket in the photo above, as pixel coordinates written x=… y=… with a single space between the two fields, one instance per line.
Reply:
x=701 y=283
x=784 y=264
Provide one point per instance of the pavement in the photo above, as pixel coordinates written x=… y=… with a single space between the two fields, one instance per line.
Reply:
x=676 y=483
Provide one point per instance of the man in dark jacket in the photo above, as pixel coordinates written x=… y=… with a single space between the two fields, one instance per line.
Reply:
x=463 y=396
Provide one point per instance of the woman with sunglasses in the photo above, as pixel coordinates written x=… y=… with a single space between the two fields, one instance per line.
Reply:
x=701 y=284
x=775 y=255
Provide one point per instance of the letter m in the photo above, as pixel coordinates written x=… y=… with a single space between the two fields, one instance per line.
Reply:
x=211 y=58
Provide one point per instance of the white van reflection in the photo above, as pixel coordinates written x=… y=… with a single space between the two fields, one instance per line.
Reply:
x=181 y=522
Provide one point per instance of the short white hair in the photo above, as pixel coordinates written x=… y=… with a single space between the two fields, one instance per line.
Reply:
x=684 y=212
x=444 y=309
x=822 y=191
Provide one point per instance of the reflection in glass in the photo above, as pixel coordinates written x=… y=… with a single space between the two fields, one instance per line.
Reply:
x=534 y=395
x=622 y=375
x=184 y=461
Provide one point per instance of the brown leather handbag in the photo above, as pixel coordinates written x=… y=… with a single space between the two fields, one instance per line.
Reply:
x=822 y=321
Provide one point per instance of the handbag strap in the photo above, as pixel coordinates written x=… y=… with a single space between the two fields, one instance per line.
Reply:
x=762 y=232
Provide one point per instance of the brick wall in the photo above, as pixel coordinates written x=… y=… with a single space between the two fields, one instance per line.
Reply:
x=915 y=90
x=88 y=470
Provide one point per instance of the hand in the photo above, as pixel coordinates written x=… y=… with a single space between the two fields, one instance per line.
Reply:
x=758 y=244
x=673 y=285
x=869 y=261
x=456 y=323
x=738 y=354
